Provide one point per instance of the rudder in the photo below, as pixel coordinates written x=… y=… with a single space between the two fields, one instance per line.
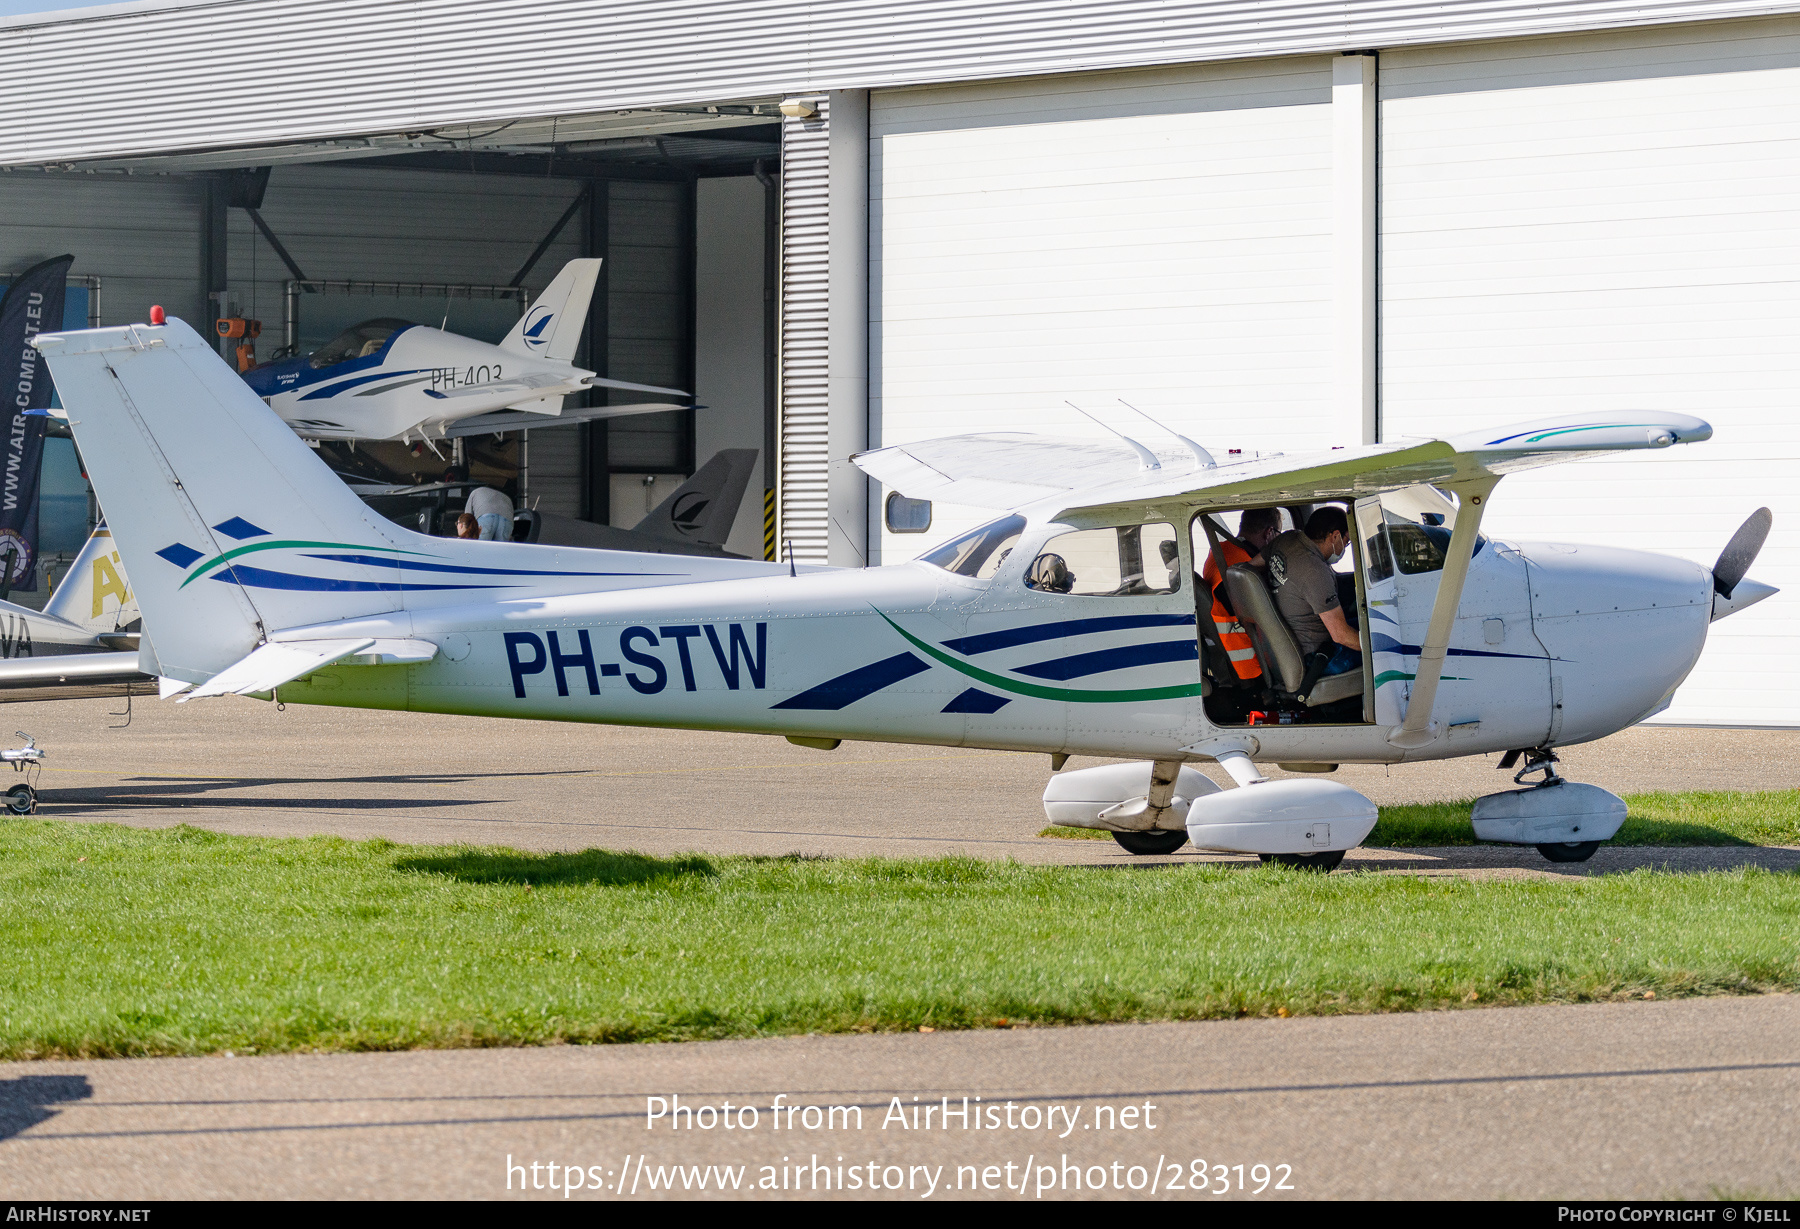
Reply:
x=551 y=326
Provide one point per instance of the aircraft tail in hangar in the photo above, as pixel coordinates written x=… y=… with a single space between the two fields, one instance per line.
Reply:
x=704 y=508
x=551 y=326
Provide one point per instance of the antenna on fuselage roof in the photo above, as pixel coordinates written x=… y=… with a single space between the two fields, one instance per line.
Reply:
x=1200 y=454
x=1146 y=458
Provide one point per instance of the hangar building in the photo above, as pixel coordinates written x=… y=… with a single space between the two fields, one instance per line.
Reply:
x=1273 y=225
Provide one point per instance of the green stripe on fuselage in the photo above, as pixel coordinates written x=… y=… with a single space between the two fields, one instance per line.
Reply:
x=216 y=560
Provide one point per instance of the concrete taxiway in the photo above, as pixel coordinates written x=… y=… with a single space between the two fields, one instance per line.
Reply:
x=237 y=765
x=1643 y=1100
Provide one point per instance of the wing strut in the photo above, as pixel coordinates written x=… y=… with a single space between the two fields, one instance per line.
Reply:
x=1416 y=730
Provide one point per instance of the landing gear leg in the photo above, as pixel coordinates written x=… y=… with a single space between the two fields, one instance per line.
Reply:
x=1542 y=759
x=1537 y=759
x=1155 y=804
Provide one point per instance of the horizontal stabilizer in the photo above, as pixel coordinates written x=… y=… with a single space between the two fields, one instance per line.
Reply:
x=519 y=420
x=282 y=662
x=567 y=382
x=71 y=668
x=517 y=384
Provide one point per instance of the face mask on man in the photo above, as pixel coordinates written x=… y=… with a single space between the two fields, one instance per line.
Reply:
x=1339 y=553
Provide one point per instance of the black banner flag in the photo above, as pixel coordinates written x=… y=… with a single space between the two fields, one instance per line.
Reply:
x=32 y=304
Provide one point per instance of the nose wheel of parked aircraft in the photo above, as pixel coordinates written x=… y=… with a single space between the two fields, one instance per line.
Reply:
x=22 y=799
x=1552 y=807
x=1571 y=851
x=1155 y=841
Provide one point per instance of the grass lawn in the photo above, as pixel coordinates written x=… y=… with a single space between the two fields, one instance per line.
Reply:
x=1719 y=818
x=178 y=941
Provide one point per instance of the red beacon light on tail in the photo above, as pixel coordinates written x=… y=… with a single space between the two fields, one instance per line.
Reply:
x=157 y=316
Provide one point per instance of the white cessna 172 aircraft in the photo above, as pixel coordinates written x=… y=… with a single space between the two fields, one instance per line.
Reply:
x=258 y=572
x=395 y=380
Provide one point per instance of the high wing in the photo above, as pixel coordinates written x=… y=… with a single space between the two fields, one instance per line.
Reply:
x=1012 y=470
x=1098 y=480
x=517 y=420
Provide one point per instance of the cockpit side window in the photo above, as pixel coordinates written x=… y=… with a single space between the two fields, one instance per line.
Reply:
x=1119 y=561
x=1411 y=539
x=979 y=553
x=357 y=341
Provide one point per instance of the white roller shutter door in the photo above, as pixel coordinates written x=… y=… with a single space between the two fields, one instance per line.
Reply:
x=1612 y=222
x=1161 y=236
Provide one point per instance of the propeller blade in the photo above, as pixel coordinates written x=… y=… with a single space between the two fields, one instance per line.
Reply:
x=1740 y=552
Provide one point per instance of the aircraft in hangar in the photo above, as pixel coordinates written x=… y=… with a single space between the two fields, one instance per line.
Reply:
x=82 y=645
x=391 y=379
x=1069 y=625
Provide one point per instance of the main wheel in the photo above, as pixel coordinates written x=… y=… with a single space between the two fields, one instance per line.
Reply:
x=1157 y=840
x=1570 y=851
x=21 y=800
x=1324 y=863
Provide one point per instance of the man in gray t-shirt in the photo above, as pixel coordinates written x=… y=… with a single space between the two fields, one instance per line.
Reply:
x=1306 y=589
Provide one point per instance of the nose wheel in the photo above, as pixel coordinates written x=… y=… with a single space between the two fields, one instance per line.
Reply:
x=1571 y=851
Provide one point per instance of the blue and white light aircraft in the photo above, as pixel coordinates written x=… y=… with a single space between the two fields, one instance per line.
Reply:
x=392 y=379
x=1069 y=625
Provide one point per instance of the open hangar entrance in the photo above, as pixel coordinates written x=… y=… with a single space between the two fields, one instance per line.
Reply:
x=459 y=228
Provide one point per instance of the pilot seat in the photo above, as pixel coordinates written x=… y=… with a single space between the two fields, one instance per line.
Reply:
x=1283 y=666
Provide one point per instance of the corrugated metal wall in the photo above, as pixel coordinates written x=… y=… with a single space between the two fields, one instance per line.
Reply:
x=246 y=71
x=647 y=328
x=805 y=440
x=139 y=235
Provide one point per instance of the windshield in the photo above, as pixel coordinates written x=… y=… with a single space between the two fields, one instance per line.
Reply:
x=980 y=552
x=1415 y=549
x=357 y=341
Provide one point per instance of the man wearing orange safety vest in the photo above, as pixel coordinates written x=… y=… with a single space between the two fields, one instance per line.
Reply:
x=1258 y=528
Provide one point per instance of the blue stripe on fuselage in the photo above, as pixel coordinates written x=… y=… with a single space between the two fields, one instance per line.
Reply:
x=1083 y=664
x=265 y=381
x=375 y=561
x=262 y=578
x=1012 y=637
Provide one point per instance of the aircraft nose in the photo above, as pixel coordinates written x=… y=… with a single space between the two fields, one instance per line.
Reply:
x=1745 y=593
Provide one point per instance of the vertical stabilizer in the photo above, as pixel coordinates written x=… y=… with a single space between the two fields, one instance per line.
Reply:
x=704 y=508
x=551 y=327
x=228 y=523
x=95 y=594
